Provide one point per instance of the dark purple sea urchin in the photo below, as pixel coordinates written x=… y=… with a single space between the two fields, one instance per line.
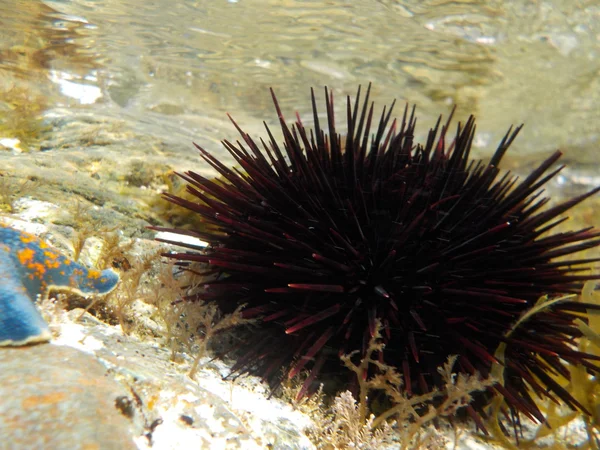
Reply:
x=324 y=236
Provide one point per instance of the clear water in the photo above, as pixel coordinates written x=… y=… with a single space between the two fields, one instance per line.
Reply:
x=173 y=69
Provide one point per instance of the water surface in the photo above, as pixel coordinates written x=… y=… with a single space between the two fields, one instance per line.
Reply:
x=173 y=69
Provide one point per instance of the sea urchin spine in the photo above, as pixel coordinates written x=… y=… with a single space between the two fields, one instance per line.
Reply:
x=324 y=236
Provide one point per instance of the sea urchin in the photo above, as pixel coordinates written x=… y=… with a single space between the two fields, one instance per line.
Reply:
x=324 y=236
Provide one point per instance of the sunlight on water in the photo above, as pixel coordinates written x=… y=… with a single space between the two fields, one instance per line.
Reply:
x=172 y=69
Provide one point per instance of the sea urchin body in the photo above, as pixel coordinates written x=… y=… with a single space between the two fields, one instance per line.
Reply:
x=325 y=236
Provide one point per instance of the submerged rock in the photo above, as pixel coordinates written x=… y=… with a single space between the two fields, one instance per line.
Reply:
x=95 y=388
x=59 y=397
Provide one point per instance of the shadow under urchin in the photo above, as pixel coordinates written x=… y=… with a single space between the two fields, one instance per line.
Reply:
x=321 y=236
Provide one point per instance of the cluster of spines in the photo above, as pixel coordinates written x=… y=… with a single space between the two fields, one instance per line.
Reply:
x=327 y=236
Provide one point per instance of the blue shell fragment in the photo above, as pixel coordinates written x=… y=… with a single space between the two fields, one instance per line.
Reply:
x=30 y=267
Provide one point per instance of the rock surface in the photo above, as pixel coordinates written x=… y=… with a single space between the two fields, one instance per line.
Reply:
x=94 y=388
x=57 y=397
